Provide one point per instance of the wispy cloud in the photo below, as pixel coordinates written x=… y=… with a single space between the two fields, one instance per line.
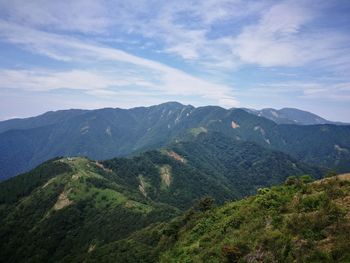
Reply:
x=183 y=50
x=86 y=16
x=280 y=39
x=205 y=32
x=149 y=74
x=336 y=92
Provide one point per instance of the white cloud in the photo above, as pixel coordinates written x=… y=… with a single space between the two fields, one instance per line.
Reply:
x=331 y=92
x=218 y=37
x=211 y=32
x=86 y=16
x=153 y=75
x=44 y=80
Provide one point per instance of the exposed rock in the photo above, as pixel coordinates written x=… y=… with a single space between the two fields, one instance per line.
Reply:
x=234 y=125
x=142 y=186
x=109 y=131
x=84 y=129
x=165 y=174
x=100 y=165
x=62 y=201
x=340 y=149
x=177 y=157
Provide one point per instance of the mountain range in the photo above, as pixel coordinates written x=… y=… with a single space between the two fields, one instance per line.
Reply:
x=292 y=116
x=172 y=183
x=155 y=208
x=107 y=133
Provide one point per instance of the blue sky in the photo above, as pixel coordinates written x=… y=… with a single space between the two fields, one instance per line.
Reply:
x=232 y=53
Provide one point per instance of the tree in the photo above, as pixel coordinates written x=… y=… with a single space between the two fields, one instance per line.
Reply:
x=206 y=203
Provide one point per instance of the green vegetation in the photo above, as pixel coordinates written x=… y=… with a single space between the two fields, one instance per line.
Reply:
x=66 y=207
x=241 y=166
x=142 y=209
x=297 y=222
x=107 y=133
x=196 y=131
x=175 y=205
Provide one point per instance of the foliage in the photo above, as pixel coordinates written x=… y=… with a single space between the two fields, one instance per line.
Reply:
x=99 y=211
x=107 y=133
x=290 y=223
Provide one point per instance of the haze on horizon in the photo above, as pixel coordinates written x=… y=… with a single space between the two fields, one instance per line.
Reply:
x=232 y=53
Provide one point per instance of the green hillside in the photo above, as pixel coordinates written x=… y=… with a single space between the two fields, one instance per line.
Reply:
x=67 y=207
x=296 y=222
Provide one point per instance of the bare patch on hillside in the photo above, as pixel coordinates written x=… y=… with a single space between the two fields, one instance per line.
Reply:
x=263 y=133
x=234 y=125
x=100 y=165
x=84 y=129
x=177 y=157
x=261 y=130
x=142 y=186
x=62 y=201
x=48 y=182
x=275 y=114
x=340 y=149
x=109 y=131
x=165 y=174
x=91 y=248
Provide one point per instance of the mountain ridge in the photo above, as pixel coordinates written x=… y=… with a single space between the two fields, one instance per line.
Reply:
x=9 y=123
x=292 y=116
x=77 y=210
x=68 y=206
x=107 y=133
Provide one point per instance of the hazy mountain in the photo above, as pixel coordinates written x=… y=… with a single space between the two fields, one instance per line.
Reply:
x=107 y=133
x=48 y=118
x=292 y=116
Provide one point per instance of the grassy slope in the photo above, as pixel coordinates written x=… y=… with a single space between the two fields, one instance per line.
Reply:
x=297 y=222
x=61 y=217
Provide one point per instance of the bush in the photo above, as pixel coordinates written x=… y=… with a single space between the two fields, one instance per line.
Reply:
x=206 y=203
x=231 y=253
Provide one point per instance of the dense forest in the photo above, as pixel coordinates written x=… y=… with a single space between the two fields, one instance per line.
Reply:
x=108 y=133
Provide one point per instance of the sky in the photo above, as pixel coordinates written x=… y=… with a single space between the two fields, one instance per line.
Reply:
x=233 y=53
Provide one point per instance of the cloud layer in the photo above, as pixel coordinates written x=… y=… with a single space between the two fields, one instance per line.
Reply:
x=202 y=52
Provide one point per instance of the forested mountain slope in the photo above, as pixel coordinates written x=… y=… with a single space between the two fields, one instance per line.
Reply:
x=107 y=133
x=67 y=206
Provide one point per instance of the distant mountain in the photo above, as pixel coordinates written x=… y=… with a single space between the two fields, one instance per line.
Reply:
x=67 y=207
x=48 y=118
x=107 y=133
x=292 y=116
